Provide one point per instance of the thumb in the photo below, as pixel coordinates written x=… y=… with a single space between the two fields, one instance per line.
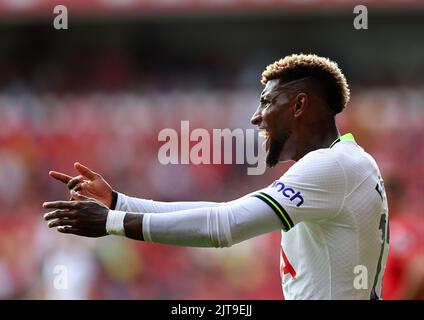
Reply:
x=85 y=171
x=78 y=196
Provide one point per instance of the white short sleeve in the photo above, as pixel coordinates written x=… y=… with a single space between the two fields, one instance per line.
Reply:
x=314 y=188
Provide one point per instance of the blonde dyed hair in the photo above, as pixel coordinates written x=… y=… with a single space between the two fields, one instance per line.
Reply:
x=325 y=73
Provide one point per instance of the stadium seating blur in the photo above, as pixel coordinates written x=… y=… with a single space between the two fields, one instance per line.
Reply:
x=100 y=92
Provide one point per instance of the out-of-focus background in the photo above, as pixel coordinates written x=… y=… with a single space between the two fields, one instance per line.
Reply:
x=101 y=91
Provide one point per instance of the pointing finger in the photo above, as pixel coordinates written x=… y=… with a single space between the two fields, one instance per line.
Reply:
x=60 y=176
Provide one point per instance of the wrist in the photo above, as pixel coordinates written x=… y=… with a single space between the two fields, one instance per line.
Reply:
x=133 y=224
x=115 y=223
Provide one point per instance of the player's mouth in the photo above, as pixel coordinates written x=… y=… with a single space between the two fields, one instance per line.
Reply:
x=265 y=133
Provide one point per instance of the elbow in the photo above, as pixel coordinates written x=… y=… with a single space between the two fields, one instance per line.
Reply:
x=219 y=240
x=219 y=228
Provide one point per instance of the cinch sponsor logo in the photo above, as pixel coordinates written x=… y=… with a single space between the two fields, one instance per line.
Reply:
x=288 y=192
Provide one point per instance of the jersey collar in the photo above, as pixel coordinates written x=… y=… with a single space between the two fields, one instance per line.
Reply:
x=345 y=137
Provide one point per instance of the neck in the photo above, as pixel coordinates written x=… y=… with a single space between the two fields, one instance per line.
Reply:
x=315 y=136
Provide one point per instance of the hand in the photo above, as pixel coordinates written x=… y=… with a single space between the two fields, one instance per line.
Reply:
x=88 y=183
x=86 y=217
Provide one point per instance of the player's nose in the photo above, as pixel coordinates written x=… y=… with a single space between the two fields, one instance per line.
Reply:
x=256 y=119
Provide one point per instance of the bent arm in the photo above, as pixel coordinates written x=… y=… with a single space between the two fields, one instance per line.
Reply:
x=218 y=226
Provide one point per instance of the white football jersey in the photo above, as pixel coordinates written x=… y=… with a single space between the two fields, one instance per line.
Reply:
x=333 y=208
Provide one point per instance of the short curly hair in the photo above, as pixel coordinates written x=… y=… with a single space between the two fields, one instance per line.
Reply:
x=324 y=72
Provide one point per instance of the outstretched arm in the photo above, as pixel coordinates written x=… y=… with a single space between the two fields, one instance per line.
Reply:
x=132 y=204
x=219 y=226
x=93 y=185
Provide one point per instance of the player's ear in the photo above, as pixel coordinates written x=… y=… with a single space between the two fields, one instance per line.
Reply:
x=299 y=105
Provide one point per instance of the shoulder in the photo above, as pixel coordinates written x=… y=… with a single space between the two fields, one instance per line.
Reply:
x=346 y=160
x=322 y=161
x=357 y=164
x=319 y=172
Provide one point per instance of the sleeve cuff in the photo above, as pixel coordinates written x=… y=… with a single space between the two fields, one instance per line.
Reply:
x=114 y=200
x=146 y=228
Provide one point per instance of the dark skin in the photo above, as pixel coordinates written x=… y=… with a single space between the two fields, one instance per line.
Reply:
x=87 y=217
x=91 y=183
x=293 y=116
x=296 y=120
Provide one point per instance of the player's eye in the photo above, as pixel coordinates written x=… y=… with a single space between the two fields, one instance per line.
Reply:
x=265 y=103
